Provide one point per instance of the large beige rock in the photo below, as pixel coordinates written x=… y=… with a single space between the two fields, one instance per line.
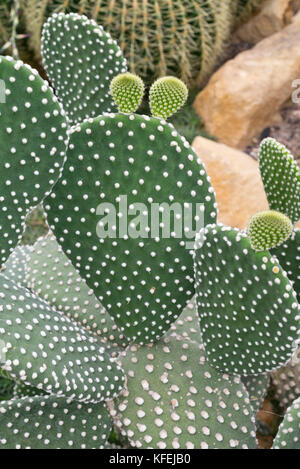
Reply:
x=273 y=16
x=245 y=95
x=236 y=179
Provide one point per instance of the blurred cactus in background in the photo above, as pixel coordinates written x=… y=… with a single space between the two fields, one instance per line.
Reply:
x=158 y=37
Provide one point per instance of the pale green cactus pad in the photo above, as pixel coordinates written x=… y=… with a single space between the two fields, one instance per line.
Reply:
x=81 y=64
x=175 y=400
x=257 y=387
x=127 y=91
x=281 y=178
x=57 y=424
x=46 y=350
x=288 y=436
x=252 y=324
x=118 y=167
x=289 y=257
x=167 y=96
x=33 y=136
x=51 y=276
x=269 y=229
x=15 y=266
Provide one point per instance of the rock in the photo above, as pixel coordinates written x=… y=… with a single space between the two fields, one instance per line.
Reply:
x=236 y=179
x=243 y=96
x=273 y=16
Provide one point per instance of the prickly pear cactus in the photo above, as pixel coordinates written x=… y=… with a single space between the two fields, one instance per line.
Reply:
x=46 y=350
x=15 y=267
x=57 y=424
x=117 y=167
x=286 y=382
x=127 y=91
x=288 y=255
x=281 y=178
x=174 y=399
x=33 y=135
x=288 y=436
x=252 y=324
x=81 y=64
x=257 y=387
x=51 y=276
x=269 y=229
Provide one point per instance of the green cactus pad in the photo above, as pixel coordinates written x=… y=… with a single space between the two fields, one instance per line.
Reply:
x=249 y=314
x=33 y=136
x=187 y=326
x=257 y=387
x=269 y=229
x=281 y=178
x=289 y=257
x=127 y=91
x=49 y=422
x=174 y=400
x=144 y=280
x=286 y=382
x=288 y=436
x=81 y=64
x=51 y=276
x=167 y=96
x=15 y=267
x=46 y=350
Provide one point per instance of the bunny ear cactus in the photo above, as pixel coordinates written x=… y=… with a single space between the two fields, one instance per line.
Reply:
x=57 y=424
x=288 y=436
x=167 y=96
x=174 y=399
x=127 y=91
x=33 y=137
x=15 y=267
x=142 y=273
x=288 y=255
x=257 y=387
x=51 y=276
x=251 y=325
x=286 y=382
x=81 y=59
x=40 y=341
x=281 y=178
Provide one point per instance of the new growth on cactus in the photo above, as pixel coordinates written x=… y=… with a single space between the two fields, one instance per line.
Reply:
x=167 y=96
x=127 y=91
x=269 y=229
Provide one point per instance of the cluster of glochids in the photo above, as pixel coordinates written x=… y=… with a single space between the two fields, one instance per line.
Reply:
x=132 y=330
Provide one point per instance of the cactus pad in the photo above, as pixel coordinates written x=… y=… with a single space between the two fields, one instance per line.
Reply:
x=255 y=330
x=286 y=382
x=57 y=424
x=288 y=436
x=15 y=267
x=143 y=279
x=33 y=135
x=167 y=96
x=81 y=64
x=51 y=276
x=289 y=257
x=269 y=229
x=46 y=350
x=175 y=400
x=127 y=91
x=281 y=178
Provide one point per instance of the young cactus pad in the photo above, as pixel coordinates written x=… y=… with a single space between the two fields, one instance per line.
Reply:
x=167 y=96
x=40 y=341
x=281 y=178
x=249 y=314
x=124 y=164
x=50 y=422
x=288 y=436
x=52 y=277
x=33 y=136
x=81 y=59
x=175 y=400
x=15 y=266
x=127 y=91
x=269 y=229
